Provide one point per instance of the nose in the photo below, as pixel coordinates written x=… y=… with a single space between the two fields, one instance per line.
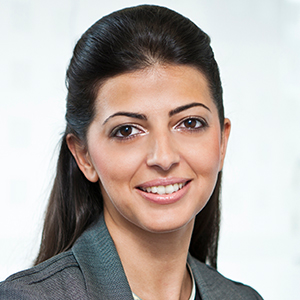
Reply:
x=163 y=152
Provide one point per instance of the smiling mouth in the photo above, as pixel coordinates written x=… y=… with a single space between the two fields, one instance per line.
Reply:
x=164 y=189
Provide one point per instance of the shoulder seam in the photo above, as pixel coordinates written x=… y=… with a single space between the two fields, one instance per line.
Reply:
x=54 y=273
x=37 y=270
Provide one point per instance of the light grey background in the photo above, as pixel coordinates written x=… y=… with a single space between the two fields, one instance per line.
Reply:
x=257 y=46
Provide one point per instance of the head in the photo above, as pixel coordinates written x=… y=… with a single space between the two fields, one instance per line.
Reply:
x=129 y=41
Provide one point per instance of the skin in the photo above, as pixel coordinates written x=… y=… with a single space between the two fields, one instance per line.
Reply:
x=154 y=127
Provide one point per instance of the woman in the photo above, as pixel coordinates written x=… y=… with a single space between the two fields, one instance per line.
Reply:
x=134 y=210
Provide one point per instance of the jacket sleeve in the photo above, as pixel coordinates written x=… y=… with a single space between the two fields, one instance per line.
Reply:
x=55 y=279
x=12 y=291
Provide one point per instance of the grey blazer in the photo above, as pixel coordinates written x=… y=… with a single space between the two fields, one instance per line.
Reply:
x=92 y=270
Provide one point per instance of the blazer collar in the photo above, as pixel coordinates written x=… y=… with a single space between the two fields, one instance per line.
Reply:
x=99 y=261
x=103 y=272
x=212 y=285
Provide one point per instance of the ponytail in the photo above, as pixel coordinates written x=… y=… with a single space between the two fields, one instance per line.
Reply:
x=74 y=204
x=205 y=237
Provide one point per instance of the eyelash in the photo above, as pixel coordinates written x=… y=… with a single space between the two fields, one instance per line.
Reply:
x=117 y=130
x=200 y=123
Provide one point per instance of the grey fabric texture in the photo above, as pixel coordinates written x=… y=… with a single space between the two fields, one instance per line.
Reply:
x=92 y=270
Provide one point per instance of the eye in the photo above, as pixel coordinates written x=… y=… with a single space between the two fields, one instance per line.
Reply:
x=126 y=131
x=191 y=124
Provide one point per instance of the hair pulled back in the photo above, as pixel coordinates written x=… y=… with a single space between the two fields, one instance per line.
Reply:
x=124 y=41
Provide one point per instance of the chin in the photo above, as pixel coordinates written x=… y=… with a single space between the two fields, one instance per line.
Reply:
x=166 y=225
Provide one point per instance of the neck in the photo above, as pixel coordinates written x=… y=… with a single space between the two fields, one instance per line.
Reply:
x=154 y=263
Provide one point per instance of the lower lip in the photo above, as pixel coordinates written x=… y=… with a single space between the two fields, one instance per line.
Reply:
x=167 y=198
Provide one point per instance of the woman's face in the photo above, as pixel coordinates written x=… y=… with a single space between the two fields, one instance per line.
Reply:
x=155 y=146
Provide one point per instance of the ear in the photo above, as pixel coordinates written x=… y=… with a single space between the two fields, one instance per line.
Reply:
x=82 y=157
x=224 y=141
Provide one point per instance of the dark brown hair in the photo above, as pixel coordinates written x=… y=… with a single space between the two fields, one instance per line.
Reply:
x=124 y=41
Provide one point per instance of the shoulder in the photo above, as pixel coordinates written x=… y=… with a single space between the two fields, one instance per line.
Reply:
x=48 y=280
x=213 y=285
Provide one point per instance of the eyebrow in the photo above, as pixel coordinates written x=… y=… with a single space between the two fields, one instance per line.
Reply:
x=143 y=117
x=127 y=114
x=184 y=107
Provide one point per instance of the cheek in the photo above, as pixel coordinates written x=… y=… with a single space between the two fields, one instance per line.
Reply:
x=204 y=156
x=204 y=160
x=115 y=165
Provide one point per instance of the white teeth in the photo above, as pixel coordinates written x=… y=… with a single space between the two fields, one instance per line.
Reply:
x=154 y=189
x=176 y=187
x=161 y=190
x=168 y=189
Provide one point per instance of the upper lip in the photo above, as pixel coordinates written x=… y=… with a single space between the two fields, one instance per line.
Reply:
x=163 y=181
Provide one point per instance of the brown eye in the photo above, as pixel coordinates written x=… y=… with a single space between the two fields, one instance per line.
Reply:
x=190 y=123
x=125 y=131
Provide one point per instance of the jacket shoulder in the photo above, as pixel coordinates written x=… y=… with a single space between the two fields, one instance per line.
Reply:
x=52 y=279
x=213 y=285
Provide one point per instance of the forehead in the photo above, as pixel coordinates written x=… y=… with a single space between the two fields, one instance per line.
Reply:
x=154 y=88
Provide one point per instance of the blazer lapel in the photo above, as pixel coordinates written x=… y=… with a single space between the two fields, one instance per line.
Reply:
x=100 y=264
x=212 y=285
